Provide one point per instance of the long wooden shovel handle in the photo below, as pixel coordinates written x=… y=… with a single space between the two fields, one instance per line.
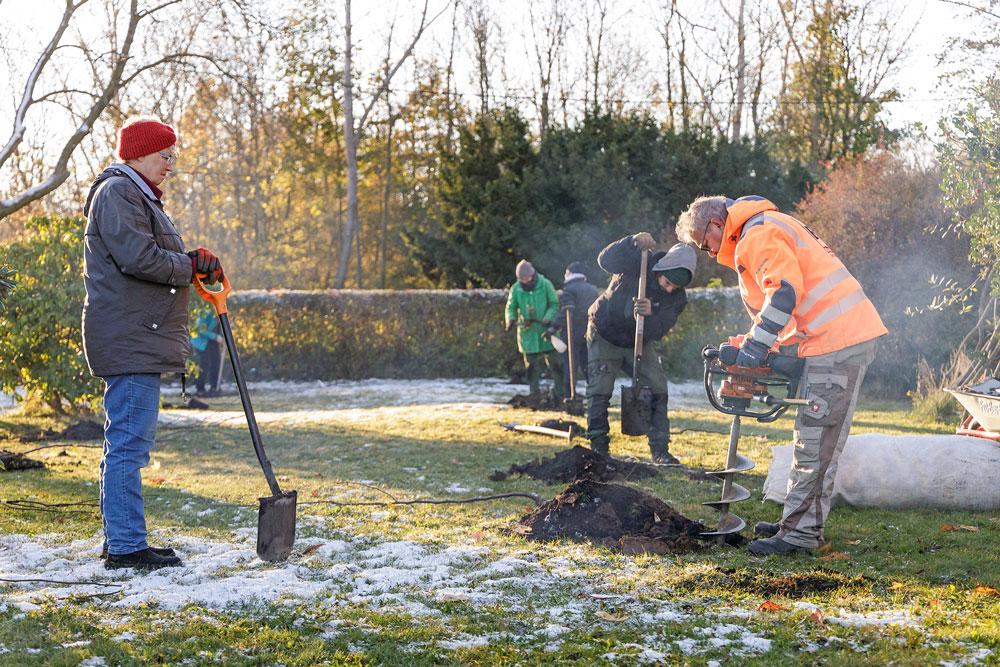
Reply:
x=639 y=320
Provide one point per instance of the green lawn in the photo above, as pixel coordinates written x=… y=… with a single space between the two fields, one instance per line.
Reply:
x=448 y=584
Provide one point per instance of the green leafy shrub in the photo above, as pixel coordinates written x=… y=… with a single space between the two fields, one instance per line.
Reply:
x=885 y=219
x=40 y=342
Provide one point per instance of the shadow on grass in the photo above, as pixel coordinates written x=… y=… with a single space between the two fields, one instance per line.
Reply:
x=431 y=457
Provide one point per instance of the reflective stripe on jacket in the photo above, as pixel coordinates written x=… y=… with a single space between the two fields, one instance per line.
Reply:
x=766 y=247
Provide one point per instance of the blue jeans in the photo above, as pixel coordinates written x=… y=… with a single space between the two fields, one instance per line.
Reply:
x=132 y=403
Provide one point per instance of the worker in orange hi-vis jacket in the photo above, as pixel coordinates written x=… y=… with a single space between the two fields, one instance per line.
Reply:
x=798 y=293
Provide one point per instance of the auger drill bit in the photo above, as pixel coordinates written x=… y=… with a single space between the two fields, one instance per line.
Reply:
x=731 y=491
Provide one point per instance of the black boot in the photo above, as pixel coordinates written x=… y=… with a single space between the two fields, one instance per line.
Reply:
x=159 y=551
x=765 y=529
x=144 y=559
x=661 y=454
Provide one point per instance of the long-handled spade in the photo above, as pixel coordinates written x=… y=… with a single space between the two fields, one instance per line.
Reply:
x=636 y=410
x=276 y=516
x=573 y=404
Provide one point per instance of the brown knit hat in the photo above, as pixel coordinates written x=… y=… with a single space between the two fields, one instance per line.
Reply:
x=144 y=136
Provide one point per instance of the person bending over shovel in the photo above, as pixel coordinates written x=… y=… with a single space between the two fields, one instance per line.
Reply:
x=798 y=293
x=611 y=333
x=136 y=275
x=532 y=304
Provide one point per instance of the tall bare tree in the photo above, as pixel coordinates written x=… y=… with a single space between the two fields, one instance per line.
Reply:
x=353 y=127
x=113 y=66
x=548 y=31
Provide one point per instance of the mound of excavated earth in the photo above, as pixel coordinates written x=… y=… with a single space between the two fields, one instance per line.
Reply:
x=612 y=515
x=577 y=463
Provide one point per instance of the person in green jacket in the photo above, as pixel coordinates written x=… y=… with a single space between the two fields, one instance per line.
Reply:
x=533 y=305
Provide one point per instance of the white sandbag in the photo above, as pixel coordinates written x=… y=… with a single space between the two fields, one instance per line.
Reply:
x=902 y=471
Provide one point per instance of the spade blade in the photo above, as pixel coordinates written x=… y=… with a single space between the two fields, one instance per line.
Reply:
x=276 y=527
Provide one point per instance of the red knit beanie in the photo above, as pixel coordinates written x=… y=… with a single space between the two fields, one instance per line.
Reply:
x=143 y=137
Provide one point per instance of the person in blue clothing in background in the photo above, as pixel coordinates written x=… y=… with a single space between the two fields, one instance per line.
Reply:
x=207 y=341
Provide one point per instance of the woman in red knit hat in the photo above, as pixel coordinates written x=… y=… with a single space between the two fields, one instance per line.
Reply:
x=136 y=275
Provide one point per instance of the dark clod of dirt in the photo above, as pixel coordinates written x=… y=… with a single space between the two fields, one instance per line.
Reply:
x=84 y=429
x=574 y=428
x=612 y=515
x=192 y=404
x=10 y=461
x=577 y=463
x=534 y=402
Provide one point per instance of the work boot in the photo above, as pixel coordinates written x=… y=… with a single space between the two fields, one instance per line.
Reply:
x=765 y=529
x=144 y=559
x=599 y=447
x=661 y=454
x=159 y=551
x=774 y=545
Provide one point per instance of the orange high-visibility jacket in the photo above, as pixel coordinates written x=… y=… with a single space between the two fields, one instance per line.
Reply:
x=766 y=247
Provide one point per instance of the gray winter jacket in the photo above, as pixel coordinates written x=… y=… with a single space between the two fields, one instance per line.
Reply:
x=136 y=276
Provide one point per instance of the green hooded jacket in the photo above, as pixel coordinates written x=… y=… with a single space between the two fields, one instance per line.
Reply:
x=529 y=309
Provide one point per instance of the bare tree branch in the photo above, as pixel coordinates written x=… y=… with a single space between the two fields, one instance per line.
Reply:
x=60 y=171
x=18 y=131
x=969 y=5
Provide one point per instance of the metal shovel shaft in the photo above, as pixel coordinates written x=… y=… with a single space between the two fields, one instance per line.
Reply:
x=258 y=446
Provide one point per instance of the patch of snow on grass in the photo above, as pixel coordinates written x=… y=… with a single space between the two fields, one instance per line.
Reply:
x=466 y=641
x=901 y=617
x=378 y=399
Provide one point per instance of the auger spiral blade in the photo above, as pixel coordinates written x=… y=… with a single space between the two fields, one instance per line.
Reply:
x=741 y=464
x=728 y=524
x=737 y=494
x=731 y=491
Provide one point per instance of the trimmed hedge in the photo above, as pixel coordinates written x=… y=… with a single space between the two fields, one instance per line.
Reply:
x=351 y=334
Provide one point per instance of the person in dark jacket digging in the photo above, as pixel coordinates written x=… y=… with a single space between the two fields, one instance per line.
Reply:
x=611 y=332
x=578 y=296
x=136 y=274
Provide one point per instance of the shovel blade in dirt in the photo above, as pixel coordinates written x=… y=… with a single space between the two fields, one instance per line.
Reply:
x=276 y=526
x=637 y=410
x=574 y=406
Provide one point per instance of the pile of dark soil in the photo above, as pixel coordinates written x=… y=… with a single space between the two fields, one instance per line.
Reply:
x=577 y=463
x=84 y=429
x=11 y=461
x=564 y=425
x=534 y=402
x=191 y=404
x=612 y=515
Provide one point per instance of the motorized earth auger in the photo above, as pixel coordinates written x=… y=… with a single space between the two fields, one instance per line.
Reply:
x=764 y=394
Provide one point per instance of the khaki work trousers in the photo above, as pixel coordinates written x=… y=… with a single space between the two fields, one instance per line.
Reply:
x=832 y=381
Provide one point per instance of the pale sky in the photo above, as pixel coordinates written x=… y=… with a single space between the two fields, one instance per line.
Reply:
x=25 y=24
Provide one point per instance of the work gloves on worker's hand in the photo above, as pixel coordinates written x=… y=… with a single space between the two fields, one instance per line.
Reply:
x=751 y=355
x=644 y=241
x=205 y=265
x=643 y=307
